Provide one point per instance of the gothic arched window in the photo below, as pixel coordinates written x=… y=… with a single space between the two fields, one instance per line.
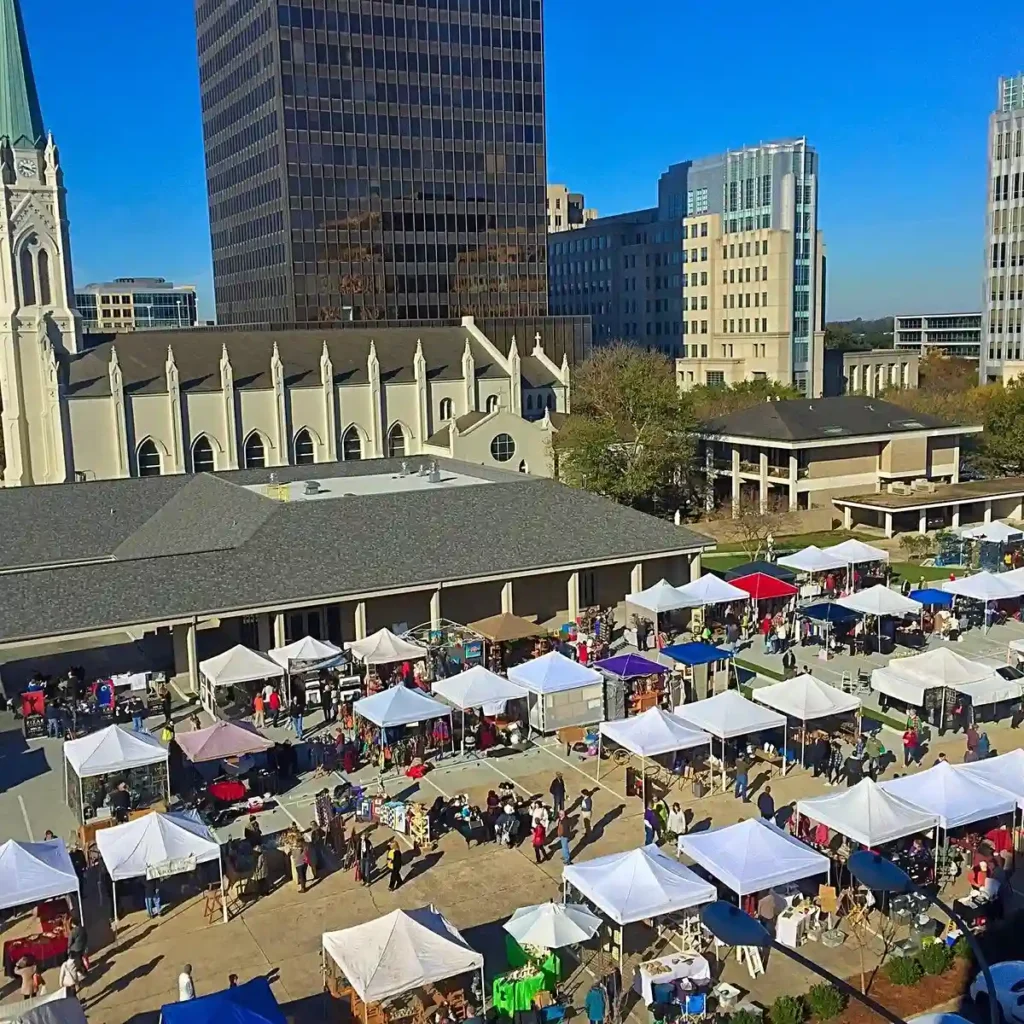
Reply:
x=148 y=459
x=351 y=445
x=396 y=442
x=255 y=454
x=43 y=264
x=28 y=278
x=202 y=455
x=304 y=451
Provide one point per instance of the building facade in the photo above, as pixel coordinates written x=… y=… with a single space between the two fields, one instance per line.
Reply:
x=1004 y=223
x=372 y=164
x=878 y=370
x=957 y=335
x=137 y=304
x=567 y=210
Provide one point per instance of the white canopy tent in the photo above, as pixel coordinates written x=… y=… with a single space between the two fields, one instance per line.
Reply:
x=551 y=676
x=1004 y=771
x=111 y=750
x=662 y=597
x=907 y=679
x=879 y=600
x=753 y=855
x=729 y=714
x=400 y=706
x=157 y=844
x=552 y=925
x=638 y=884
x=233 y=667
x=553 y=673
x=867 y=814
x=399 y=952
x=34 y=872
x=854 y=552
x=712 y=589
x=813 y=559
x=306 y=649
x=385 y=648
x=652 y=733
x=984 y=586
x=995 y=531
x=478 y=687
x=954 y=797
x=991 y=690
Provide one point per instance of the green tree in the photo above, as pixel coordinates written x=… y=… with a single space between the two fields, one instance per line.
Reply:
x=710 y=401
x=631 y=433
x=1003 y=448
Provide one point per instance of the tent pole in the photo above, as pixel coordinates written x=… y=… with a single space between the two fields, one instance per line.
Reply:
x=463 y=733
x=451 y=732
x=803 y=747
x=643 y=779
x=483 y=992
x=223 y=887
x=113 y=894
x=785 y=746
x=600 y=737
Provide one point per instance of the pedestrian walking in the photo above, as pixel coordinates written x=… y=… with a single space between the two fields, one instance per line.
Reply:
x=70 y=976
x=586 y=810
x=78 y=946
x=557 y=791
x=562 y=831
x=742 y=766
x=274 y=703
x=538 y=838
x=327 y=697
x=295 y=714
x=910 y=746
x=366 y=859
x=650 y=826
x=984 y=746
x=766 y=804
x=186 y=986
x=258 y=708
x=394 y=865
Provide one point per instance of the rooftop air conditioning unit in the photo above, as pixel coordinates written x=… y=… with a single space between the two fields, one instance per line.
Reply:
x=899 y=488
x=311 y=487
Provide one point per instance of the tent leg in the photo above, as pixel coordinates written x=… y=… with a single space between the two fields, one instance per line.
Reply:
x=483 y=992
x=643 y=779
x=463 y=733
x=113 y=894
x=803 y=747
x=600 y=737
x=223 y=887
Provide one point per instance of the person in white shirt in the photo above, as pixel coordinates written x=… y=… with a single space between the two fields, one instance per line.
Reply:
x=71 y=976
x=677 y=825
x=267 y=691
x=186 y=987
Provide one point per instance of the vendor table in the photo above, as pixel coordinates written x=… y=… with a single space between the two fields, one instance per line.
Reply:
x=510 y=997
x=48 y=950
x=773 y=761
x=227 y=790
x=791 y=925
x=693 y=971
x=52 y=912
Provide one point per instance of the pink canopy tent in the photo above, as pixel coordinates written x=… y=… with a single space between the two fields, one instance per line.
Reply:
x=222 y=740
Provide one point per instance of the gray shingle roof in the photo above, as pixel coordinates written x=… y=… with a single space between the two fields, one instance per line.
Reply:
x=821 y=418
x=313 y=551
x=535 y=374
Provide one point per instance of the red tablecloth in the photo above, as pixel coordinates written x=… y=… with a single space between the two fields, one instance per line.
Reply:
x=52 y=912
x=48 y=950
x=227 y=791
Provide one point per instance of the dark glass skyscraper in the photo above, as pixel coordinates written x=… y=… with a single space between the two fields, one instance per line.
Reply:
x=374 y=160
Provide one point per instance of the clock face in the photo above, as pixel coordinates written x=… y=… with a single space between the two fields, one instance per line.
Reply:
x=27 y=168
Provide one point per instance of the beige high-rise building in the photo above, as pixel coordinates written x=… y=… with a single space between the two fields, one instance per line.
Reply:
x=567 y=210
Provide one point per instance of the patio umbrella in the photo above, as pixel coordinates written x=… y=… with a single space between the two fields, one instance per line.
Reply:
x=552 y=925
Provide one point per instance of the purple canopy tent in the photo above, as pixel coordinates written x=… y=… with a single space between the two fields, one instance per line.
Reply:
x=222 y=740
x=630 y=666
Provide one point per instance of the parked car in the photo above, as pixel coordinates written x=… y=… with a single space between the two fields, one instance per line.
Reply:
x=1008 y=978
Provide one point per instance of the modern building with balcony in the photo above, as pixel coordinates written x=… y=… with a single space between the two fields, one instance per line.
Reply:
x=806 y=453
x=137 y=304
x=957 y=335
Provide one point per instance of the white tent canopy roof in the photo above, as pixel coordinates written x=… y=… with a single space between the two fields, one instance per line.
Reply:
x=813 y=559
x=909 y=689
x=984 y=586
x=712 y=589
x=994 y=531
x=306 y=649
x=854 y=552
x=552 y=673
x=34 y=872
x=400 y=951
x=385 y=648
x=662 y=597
x=729 y=714
x=1006 y=771
x=129 y=849
x=955 y=797
x=991 y=690
x=552 y=925
x=638 y=884
x=867 y=814
x=239 y=664
x=907 y=679
x=806 y=698
x=476 y=687
x=112 y=749
x=399 y=706
x=880 y=600
x=654 y=732
x=753 y=855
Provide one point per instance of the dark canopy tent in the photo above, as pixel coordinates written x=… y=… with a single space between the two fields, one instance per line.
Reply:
x=780 y=572
x=932 y=596
x=826 y=611
x=251 y=1003
x=695 y=656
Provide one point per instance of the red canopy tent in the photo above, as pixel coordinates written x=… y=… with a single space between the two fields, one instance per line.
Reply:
x=762 y=587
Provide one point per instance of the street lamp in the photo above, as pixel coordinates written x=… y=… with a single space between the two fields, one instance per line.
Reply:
x=881 y=875
x=735 y=927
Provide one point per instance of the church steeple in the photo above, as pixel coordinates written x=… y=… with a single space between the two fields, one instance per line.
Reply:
x=21 y=119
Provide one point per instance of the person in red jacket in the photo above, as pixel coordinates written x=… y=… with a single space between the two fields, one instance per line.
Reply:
x=539 y=839
x=275 y=705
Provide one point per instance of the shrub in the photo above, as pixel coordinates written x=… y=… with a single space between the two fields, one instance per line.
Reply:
x=787 y=1010
x=962 y=949
x=935 y=958
x=825 y=1001
x=744 y=1017
x=903 y=970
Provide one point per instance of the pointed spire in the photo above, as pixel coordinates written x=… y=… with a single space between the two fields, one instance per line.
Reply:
x=21 y=119
x=513 y=350
x=170 y=357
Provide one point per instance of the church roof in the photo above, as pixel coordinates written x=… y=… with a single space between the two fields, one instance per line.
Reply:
x=21 y=119
x=142 y=356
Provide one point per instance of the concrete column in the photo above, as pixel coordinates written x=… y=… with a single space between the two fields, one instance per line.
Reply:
x=794 y=476
x=735 y=480
x=762 y=490
x=696 y=567
x=506 y=599
x=265 y=632
x=922 y=522
x=193 y=659
x=360 y=620
x=956 y=517
x=888 y=524
x=988 y=511
x=955 y=479
x=573 y=595
x=847 y=518
x=435 y=609
x=279 y=637
x=636 y=578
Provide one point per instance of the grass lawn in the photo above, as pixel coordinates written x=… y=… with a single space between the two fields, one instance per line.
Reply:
x=913 y=571
x=793 y=543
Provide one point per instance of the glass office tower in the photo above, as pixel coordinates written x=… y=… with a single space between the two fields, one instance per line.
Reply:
x=372 y=160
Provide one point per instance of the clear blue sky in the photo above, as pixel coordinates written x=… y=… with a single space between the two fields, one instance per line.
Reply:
x=894 y=96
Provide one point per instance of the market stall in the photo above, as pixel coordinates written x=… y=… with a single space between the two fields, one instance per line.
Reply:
x=753 y=855
x=711 y=590
x=479 y=688
x=856 y=552
x=880 y=602
x=837 y=622
x=634 y=684
x=222 y=741
x=806 y=699
x=651 y=734
x=729 y=715
x=563 y=693
x=701 y=663
x=400 y=954
x=306 y=651
x=1004 y=771
x=237 y=666
x=812 y=559
x=506 y=634
x=102 y=760
x=987 y=589
x=251 y=1002
x=759 y=586
x=158 y=846
x=391 y=711
x=385 y=648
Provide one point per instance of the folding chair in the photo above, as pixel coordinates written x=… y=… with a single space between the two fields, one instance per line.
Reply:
x=695 y=1006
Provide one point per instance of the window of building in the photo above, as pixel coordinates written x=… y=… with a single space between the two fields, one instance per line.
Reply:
x=704 y=229
x=148 y=459
x=715 y=378
x=396 y=442
x=305 y=454
x=43 y=264
x=703 y=277
x=446 y=409
x=351 y=445
x=253 y=453
x=202 y=455
x=503 y=448
x=28 y=278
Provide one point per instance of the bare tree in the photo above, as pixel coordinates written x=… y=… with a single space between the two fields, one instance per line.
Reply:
x=754 y=524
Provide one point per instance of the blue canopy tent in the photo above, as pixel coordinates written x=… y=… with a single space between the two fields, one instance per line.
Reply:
x=251 y=1003
x=630 y=666
x=697 y=653
x=831 y=614
x=932 y=596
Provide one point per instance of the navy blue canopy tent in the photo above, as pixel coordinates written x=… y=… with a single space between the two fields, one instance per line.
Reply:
x=932 y=596
x=780 y=572
x=826 y=611
x=251 y=1003
x=696 y=653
